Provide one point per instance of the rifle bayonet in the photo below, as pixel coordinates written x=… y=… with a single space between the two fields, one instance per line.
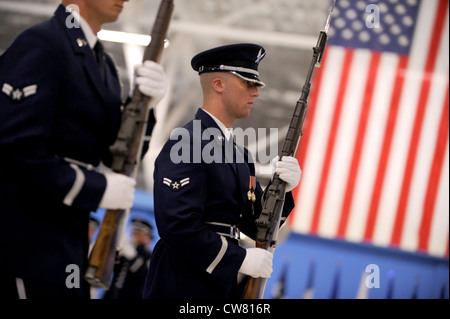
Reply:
x=323 y=37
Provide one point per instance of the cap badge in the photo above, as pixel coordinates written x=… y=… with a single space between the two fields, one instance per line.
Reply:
x=260 y=56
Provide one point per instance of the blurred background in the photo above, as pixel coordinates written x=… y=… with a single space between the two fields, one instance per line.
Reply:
x=375 y=149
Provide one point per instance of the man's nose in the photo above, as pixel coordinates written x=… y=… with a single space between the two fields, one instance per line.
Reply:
x=255 y=91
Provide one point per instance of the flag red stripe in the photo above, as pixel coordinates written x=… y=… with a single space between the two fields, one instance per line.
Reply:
x=417 y=128
x=386 y=147
x=308 y=125
x=359 y=143
x=434 y=178
x=446 y=251
x=332 y=139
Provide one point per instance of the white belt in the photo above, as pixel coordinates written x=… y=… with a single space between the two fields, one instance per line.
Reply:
x=226 y=230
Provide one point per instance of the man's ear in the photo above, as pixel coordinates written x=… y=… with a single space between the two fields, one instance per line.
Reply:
x=218 y=85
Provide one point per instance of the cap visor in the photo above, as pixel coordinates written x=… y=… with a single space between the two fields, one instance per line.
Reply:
x=253 y=78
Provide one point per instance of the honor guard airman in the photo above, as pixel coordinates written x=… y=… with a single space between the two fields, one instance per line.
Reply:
x=206 y=191
x=134 y=260
x=60 y=110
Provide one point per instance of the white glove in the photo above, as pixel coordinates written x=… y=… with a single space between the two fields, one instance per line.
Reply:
x=257 y=263
x=127 y=248
x=288 y=170
x=152 y=80
x=119 y=192
x=102 y=168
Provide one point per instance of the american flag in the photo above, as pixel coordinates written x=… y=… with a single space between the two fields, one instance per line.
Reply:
x=375 y=149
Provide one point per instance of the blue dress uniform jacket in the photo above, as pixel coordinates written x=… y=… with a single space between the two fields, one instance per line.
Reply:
x=192 y=260
x=54 y=111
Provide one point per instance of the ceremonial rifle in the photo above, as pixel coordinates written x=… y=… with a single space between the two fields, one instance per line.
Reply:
x=126 y=152
x=268 y=222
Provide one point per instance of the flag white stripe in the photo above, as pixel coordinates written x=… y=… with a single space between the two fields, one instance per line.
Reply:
x=440 y=223
x=320 y=130
x=372 y=147
x=343 y=148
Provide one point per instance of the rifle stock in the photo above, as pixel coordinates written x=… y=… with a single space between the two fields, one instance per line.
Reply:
x=102 y=257
x=126 y=152
x=269 y=220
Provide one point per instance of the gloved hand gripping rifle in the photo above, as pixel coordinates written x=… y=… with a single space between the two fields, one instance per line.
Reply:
x=126 y=152
x=268 y=222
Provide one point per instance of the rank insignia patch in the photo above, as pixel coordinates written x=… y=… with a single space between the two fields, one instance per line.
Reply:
x=176 y=185
x=17 y=94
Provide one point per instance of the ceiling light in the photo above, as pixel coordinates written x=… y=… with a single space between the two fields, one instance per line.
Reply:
x=126 y=37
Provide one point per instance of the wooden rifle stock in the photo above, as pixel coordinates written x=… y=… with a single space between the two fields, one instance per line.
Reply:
x=268 y=222
x=126 y=152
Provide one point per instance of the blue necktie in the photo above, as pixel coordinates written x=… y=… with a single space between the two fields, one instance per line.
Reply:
x=100 y=57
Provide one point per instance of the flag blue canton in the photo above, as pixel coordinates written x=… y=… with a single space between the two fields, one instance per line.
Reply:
x=384 y=26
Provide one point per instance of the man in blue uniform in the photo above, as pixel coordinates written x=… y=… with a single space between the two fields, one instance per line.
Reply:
x=133 y=264
x=205 y=190
x=60 y=110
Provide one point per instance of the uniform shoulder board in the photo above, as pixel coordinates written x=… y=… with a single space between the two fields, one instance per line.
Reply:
x=19 y=94
x=176 y=185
